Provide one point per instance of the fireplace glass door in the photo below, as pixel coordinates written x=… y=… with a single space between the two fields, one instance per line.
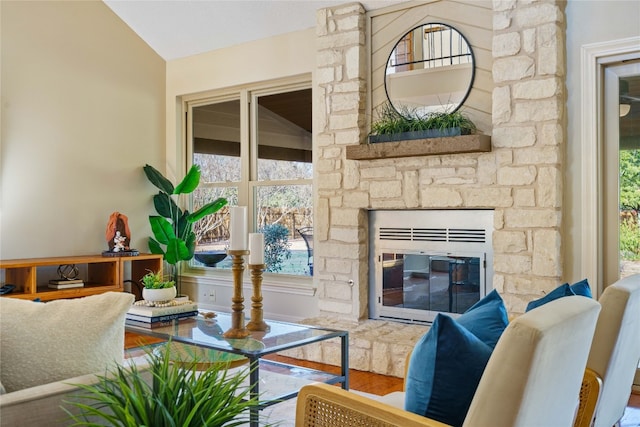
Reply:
x=415 y=286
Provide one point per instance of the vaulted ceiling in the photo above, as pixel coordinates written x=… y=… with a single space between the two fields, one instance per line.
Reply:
x=179 y=28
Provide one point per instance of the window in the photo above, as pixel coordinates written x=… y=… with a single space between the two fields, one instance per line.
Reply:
x=254 y=147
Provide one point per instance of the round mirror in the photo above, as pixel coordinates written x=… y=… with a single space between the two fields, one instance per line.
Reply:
x=429 y=70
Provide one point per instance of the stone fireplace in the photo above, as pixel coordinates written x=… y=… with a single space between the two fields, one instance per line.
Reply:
x=517 y=99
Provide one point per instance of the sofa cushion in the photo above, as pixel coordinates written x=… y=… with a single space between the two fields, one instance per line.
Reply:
x=444 y=370
x=486 y=319
x=582 y=288
x=43 y=343
x=563 y=290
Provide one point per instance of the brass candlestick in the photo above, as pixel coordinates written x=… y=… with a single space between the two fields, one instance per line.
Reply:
x=257 y=323
x=237 y=329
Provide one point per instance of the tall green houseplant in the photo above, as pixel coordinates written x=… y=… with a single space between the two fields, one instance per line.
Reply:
x=172 y=228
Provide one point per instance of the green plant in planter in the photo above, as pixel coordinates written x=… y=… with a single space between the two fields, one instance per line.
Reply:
x=153 y=280
x=392 y=122
x=166 y=395
x=172 y=228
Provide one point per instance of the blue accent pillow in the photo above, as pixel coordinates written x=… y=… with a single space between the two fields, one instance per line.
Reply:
x=563 y=290
x=582 y=288
x=444 y=371
x=486 y=319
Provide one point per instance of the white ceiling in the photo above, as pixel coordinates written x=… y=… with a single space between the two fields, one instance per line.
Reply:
x=179 y=28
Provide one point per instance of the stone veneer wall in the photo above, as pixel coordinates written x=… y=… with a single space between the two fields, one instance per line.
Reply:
x=521 y=178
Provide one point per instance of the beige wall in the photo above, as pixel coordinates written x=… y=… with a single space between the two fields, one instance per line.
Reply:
x=82 y=112
x=585 y=25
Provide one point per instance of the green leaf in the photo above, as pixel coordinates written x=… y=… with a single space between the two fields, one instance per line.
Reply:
x=162 y=229
x=207 y=209
x=184 y=252
x=158 y=179
x=182 y=225
x=189 y=182
x=190 y=243
x=177 y=251
x=165 y=205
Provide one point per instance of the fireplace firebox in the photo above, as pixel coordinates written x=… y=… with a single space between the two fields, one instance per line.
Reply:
x=424 y=262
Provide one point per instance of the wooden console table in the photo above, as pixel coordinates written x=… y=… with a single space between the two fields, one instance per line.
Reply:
x=100 y=274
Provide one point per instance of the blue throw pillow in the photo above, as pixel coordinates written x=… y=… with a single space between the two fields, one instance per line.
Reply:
x=559 y=292
x=582 y=288
x=444 y=371
x=486 y=319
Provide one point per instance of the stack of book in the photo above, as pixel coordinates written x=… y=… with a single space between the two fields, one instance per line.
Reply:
x=151 y=317
x=66 y=283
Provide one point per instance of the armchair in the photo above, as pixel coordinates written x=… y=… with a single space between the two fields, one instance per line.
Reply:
x=615 y=351
x=545 y=346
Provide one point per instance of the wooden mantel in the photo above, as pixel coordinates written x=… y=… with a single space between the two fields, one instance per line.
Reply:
x=420 y=147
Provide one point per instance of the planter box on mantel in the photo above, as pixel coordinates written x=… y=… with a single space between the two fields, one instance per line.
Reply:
x=418 y=134
x=420 y=147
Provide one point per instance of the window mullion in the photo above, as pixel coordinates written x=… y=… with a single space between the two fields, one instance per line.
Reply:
x=245 y=150
x=253 y=161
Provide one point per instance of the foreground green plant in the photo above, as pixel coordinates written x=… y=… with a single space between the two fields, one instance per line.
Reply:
x=179 y=396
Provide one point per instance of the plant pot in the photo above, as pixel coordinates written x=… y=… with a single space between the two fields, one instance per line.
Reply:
x=419 y=134
x=210 y=258
x=155 y=295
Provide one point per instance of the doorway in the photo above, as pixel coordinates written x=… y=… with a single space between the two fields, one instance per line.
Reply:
x=621 y=170
x=621 y=173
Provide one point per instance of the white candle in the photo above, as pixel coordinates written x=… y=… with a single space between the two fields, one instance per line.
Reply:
x=238 y=235
x=256 y=248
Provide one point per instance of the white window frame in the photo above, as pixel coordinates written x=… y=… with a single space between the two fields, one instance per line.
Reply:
x=595 y=57
x=248 y=95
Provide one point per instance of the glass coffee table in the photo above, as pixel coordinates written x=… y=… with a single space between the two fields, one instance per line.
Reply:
x=279 y=381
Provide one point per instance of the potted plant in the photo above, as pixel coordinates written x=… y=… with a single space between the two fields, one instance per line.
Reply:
x=393 y=125
x=165 y=394
x=172 y=228
x=156 y=288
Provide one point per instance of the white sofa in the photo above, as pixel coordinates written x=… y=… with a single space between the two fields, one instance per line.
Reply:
x=41 y=405
x=47 y=348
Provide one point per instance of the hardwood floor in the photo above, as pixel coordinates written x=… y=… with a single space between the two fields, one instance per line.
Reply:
x=132 y=340
x=380 y=384
x=359 y=380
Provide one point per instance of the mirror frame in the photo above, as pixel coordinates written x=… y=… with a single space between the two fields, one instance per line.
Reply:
x=473 y=65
